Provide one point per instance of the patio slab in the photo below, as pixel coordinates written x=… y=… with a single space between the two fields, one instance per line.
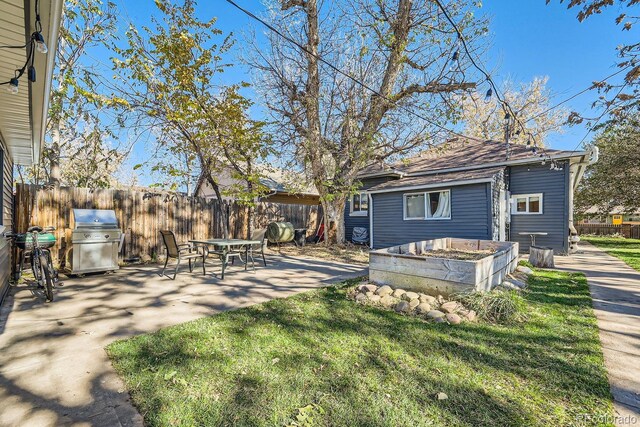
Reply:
x=615 y=289
x=53 y=367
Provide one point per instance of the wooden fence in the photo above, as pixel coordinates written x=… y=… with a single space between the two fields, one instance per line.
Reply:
x=630 y=231
x=142 y=214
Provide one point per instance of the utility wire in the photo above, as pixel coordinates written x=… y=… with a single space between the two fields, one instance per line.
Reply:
x=345 y=74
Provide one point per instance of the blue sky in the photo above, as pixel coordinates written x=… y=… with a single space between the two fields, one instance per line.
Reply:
x=529 y=39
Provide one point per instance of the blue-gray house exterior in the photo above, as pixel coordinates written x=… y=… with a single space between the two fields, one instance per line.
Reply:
x=484 y=187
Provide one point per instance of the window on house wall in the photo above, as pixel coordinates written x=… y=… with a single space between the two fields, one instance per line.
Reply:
x=428 y=205
x=359 y=204
x=526 y=204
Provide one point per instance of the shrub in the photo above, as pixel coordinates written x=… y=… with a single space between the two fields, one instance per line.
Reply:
x=499 y=306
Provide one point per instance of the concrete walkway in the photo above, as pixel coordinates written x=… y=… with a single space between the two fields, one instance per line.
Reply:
x=615 y=289
x=53 y=367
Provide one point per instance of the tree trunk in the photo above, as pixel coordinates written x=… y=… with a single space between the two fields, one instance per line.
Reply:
x=223 y=208
x=54 y=157
x=334 y=220
x=541 y=257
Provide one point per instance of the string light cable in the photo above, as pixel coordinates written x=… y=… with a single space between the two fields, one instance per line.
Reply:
x=36 y=42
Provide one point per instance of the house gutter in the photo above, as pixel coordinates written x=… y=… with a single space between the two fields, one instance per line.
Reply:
x=497 y=164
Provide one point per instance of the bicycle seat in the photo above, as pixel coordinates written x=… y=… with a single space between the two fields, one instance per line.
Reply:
x=35 y=228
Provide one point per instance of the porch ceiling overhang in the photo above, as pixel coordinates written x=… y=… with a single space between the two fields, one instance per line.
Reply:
x=23 y=115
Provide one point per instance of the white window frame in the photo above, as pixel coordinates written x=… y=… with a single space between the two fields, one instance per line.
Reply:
x=426 y=207
x=360 y=212
x=514 y=203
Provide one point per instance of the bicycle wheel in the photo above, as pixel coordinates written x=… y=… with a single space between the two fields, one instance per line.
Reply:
x=36 y=269
x=48 y=277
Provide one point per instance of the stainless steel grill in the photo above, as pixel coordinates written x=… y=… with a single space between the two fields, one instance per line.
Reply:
x=95 y=239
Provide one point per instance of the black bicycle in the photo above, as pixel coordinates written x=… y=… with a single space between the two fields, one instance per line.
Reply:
x=41 y=265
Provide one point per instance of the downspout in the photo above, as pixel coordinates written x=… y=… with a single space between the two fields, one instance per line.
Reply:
x=576 y=171
x=370 y=197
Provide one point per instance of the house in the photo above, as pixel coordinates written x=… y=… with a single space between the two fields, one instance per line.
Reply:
x=616 y=216
x=24 y=107
x=471 y=189
x=284 y=187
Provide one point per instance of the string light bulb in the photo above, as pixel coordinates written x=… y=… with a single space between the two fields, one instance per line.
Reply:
x=41 y=46
x=455 y=56
x=13 y=86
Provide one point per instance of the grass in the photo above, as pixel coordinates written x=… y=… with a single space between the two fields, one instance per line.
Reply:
x=628 y=250
x=348 y=253
x=322 y=358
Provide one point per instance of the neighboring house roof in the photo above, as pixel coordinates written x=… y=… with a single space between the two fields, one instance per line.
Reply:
x=23 y=115
x=464 y=154
x=278 y=181
x=438 y=180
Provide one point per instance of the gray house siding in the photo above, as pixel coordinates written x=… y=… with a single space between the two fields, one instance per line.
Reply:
x=554 y=186
x=6 y=216
x=360 y=221
x=471 y=217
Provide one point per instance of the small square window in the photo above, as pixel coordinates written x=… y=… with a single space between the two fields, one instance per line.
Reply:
x=359 y=204
x=526 y=204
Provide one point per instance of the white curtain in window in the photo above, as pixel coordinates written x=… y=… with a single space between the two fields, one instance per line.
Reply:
x=444 y=206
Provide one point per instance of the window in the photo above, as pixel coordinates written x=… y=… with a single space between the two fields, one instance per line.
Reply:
x=359 y=204
x=428 y=205
x=526 y=204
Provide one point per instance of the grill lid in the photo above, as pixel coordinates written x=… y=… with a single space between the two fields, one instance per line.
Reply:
x=95 y=218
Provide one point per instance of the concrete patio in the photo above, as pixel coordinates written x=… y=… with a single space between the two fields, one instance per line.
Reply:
x=53 y=367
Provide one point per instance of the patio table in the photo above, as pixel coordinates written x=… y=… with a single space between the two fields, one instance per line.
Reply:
x=226 y=245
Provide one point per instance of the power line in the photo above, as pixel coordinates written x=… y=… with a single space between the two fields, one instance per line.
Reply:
x=345 y=74
x=587 y=89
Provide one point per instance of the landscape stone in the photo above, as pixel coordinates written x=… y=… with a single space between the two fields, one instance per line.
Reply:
x=439 y=320
x=428 y=298
x=384 y=290
x=440 y=299
x=374 y=298
x=408 y=296
x=442 y=396
x=388 y=301
x=369 y=287
x=524 y=269
x=449 y=307
x=435 y=314
x=402 y=307
x=507 y=284
x=517 y=282
x=453 y=318
x=369 y=294
x=399 y=292
x=423 y=307
x=414 y=303
x=361 y=297
x=472 y=316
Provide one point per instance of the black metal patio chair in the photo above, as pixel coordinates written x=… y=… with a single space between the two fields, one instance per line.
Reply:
x=180 y=252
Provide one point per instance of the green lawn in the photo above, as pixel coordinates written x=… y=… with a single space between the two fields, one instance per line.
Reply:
x=362 y=366
x=628 y=250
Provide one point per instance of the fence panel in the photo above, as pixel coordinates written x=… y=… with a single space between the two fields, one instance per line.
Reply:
x=627 y=230
x=142 y=214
